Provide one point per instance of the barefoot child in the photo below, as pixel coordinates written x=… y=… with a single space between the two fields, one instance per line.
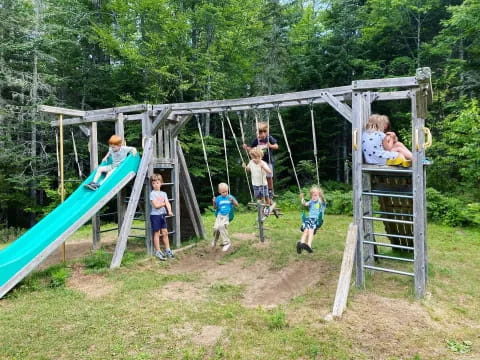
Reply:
x=316 y=206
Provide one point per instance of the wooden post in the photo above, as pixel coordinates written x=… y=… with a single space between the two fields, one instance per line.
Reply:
x=121 y=197
x=418 y=194
x=343 y=286
x=260 y=222
x=358 y=104
x=176 y=191
x=93 y=165
x=62 y=176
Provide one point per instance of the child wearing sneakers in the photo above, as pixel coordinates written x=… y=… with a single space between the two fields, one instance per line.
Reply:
x=316 y=206
x=383 y=148
x=160 y=207
x=118 y=153
x=259 y=170
x=223 y=205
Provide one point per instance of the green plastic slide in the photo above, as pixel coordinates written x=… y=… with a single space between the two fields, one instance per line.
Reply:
x=29 y=250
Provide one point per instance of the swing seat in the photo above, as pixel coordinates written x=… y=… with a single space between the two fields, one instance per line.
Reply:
x=319 y=219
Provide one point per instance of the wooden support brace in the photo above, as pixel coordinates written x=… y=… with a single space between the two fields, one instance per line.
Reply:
x=177 y=127
x=343 y=286
x=341 y=108
x=161 y=119
x=132 y=204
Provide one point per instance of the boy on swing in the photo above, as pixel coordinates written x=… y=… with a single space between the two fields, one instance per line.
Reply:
x=223 y=205
x=266 y=143
x=311 y=223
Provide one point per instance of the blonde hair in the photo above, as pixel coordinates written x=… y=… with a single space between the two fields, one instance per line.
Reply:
x=115 y=140
x=377 y=122
x=318 y=189
x=156 y=177
x=262 y=127
x=256 y=152
x=222 y=186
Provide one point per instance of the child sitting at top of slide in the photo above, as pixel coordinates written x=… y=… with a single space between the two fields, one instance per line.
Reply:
x=383 y=148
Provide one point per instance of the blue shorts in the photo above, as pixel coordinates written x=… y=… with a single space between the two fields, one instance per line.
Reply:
x=260 y=191
x=310 y=223
x=158 y=222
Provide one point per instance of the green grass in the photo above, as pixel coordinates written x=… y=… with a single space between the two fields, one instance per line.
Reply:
x=44 y=319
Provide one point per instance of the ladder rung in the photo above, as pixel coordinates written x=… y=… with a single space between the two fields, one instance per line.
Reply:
x=136 y=236
x=107 y=230
x=171 y=232
x=389 y=245
x=393 y=258
x=170 y=183
x=391 y=213
x=388 y=270
x=396 y=195
x=393 y=235
x=388 y=220
x=137 y=228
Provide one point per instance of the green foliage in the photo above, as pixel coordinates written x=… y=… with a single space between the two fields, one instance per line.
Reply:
x=52 y=277
x=339 y=202
x=459 y=347
x=451 y=211
x=98 y=260
x=276 y=320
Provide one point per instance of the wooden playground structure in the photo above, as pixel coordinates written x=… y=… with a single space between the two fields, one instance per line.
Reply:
x=401 y=191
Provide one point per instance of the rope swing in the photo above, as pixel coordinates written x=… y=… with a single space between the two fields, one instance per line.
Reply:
x=288 y=148
x=314 y=141
x=205 y=154
x=225 y=150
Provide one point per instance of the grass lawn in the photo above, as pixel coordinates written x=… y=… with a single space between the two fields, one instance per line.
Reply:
x=257 y=301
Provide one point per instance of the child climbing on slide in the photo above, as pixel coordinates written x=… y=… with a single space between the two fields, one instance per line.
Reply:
x=118 y=153
x=315 y=205
x=381 y=147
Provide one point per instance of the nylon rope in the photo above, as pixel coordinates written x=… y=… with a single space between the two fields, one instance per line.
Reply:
x=80 y=174
x=314 y=142
x=57 y=153
x=225 y=150
x=288 y=148
x=205 y=154
x=239 y=152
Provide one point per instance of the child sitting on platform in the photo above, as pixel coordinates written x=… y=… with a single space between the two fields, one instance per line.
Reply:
x=316 y=206
x=118 y=152
x=383 y=148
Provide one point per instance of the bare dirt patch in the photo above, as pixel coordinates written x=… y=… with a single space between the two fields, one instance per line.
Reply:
x=92 y=285
x=179 y=290
x=209 y=335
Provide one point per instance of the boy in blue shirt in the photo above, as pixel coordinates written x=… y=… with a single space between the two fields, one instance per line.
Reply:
x=223 y=205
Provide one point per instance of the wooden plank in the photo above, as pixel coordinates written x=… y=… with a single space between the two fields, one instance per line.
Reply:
x=161 y=118
x=175 y=129
x=120 y=131
x=358 y=104
x=119 y=109
x=343 y=286
x=391 y=95
x=112 y=116
x=402 y=82
x=341 y=108
x=418 y=184
x=55 y=244
x=132 y=204
x=60 y=110
x=93 y=147
x=189 y=194
x=176 y=191
x=231 y=104
x=85 y=130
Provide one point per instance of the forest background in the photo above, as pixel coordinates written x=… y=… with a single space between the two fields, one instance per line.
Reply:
x=91 y=54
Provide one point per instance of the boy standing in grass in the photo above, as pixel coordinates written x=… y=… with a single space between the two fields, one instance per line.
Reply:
x=160 y=207
x=118 y=153
x=223 y=205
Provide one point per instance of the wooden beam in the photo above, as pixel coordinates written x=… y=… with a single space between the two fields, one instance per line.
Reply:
x=391 y=95
x=119 y=109
x=85 y=130
x=405 y=82
x=341 y=108
x=260 y=102
x=132 y=204
x=178 y=126
x=345 y=277
x=161 y=118
x=60 y=110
